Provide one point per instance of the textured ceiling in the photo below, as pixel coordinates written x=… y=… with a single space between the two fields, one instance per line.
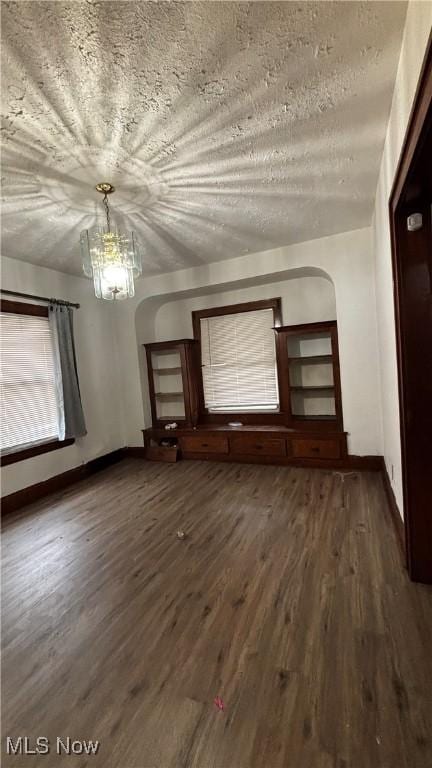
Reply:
x=227 y=128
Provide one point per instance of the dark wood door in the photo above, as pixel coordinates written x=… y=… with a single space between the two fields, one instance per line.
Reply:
x=412 y=263
x=415 y=313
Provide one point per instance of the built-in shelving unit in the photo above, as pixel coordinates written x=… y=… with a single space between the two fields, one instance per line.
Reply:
x=172 y=383
x=309 y=375
x=306 y=429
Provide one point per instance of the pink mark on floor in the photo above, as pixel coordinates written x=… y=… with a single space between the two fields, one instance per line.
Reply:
x=218 y=702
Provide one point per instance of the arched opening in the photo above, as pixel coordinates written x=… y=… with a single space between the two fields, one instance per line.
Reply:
x=307 y=295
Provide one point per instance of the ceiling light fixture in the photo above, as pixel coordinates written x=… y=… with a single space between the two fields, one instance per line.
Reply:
x=112 y=258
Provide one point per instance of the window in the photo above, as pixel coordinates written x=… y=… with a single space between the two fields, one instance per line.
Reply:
x=27 y=383
x=239 y=361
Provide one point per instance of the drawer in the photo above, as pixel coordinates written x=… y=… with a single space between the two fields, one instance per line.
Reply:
x=256 y=445
x=161 y=453
x=319 y=448
x=202 y=444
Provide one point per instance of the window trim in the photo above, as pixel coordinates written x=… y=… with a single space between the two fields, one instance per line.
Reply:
x=247 y=417
x=13 y=456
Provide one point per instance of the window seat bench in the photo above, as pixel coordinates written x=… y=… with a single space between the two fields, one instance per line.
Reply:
x=272 y=444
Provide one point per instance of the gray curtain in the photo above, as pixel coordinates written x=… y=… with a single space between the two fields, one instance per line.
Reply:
x=70 y=413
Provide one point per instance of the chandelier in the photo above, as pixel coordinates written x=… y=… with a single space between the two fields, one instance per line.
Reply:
x=112 y=258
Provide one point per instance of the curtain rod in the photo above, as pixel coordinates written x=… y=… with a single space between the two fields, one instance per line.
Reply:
x=40 y=298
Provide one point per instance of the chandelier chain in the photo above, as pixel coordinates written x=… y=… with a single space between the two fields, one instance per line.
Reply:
x=107 y=211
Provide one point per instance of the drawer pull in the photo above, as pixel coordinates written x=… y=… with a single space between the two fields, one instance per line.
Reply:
x=204 y=445
x=315 y=449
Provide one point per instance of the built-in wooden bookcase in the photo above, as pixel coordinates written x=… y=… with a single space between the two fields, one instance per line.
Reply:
x=306 y=429
x=173 y=382
x=309 y=379
x=307 y=360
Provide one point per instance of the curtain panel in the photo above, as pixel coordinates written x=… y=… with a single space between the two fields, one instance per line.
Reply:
x=71 y=421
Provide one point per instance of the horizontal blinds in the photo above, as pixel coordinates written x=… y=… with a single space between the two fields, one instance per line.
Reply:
x=239 y=361
x=27 y=391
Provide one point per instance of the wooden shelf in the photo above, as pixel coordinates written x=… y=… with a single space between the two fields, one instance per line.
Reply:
x=167 y=370
x=320 y=388
x=170 y=420
x=169 y=395
x=316 y=417
x=308 y=359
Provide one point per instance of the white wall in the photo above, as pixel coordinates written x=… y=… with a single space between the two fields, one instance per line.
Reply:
x=346 y=258
x=305 y=299
x=98 y=373
x=417 y=29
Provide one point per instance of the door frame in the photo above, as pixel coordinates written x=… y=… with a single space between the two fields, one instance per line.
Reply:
x=419 y=125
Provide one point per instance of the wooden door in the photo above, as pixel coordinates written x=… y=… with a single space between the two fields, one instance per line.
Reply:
x=412 y=267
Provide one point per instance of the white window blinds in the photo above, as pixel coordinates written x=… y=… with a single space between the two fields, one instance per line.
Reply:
x=239 y=362
x=27 y=391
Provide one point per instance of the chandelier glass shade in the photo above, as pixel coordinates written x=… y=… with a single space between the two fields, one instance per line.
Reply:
x=111 y=257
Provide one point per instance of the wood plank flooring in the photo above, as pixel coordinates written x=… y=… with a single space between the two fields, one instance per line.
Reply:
x=287 y=599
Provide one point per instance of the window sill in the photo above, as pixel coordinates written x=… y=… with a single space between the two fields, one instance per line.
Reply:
x=35 y=450
x=250 y=411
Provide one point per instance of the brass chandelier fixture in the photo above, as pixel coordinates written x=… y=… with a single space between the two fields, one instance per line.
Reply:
x=110 y=257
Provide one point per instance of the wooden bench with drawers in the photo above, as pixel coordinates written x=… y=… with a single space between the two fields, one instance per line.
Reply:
x=254 y=444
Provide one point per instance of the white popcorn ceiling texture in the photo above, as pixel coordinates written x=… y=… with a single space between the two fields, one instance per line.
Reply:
x=227 y=128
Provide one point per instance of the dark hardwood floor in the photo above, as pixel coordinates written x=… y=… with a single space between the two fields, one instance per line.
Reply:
x=287 y=599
